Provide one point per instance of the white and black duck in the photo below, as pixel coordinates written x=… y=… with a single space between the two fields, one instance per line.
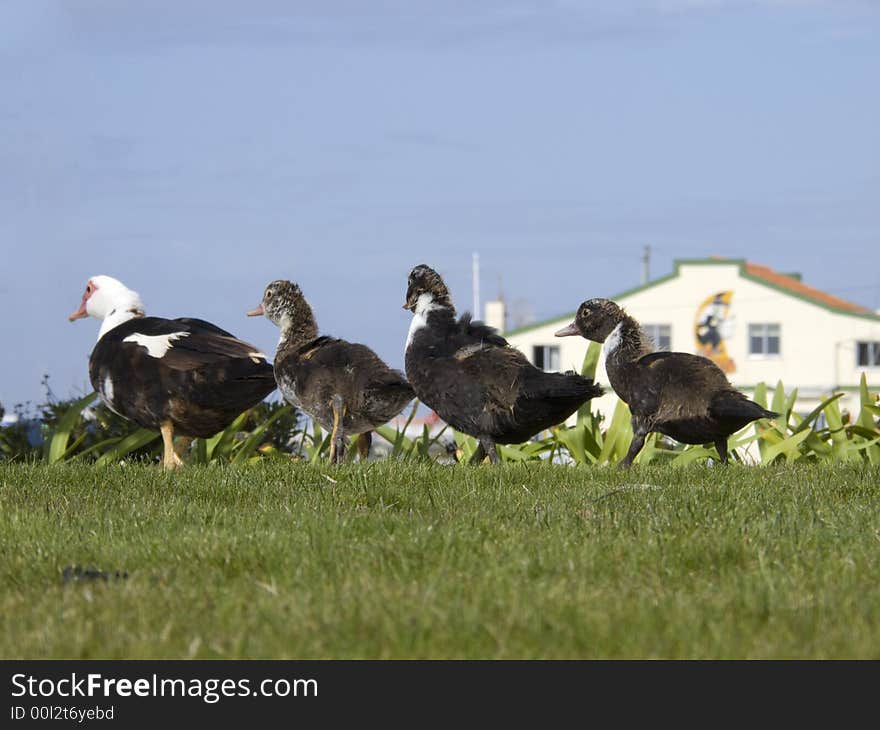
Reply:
x=474 y=380
x=344 y=386
x=182 y=377
x=684 y=396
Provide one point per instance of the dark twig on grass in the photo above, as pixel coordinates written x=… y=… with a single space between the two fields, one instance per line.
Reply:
x=77 y=573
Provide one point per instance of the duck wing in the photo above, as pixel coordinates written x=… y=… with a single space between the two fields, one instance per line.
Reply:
x=201 y=324
x=676 y=385
x=194 y=344
x=519 y=400
x=471 y=331
x=499 y=372
x=484 y=357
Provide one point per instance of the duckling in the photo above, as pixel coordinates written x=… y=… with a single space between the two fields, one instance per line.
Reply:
x=684 y=396
x=344 y=386
x=474 y=380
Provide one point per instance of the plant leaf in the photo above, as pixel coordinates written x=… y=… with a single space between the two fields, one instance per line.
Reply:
x=61 y=434
x=130 y=443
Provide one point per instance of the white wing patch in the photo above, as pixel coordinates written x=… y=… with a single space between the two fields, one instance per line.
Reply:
x=256 y=356
x=612 y=342
x=107 y=389
x=157 y=345
x=107 y=394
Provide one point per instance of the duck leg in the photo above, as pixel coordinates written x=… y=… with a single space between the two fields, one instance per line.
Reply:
x=363 y=444
x=181 y=447
x=641 y=428
x=635 y=447
x=721 y=448
x=337 y=438
x=170 y=460
x=491 y=452
x=479 y=455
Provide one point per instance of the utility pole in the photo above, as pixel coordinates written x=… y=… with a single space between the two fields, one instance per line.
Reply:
x=646 y=264
x=475 y=262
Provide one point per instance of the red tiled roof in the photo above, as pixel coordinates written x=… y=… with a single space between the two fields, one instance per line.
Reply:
x=796 y=286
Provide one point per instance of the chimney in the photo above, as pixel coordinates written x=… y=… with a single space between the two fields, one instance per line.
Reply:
x=496 y=314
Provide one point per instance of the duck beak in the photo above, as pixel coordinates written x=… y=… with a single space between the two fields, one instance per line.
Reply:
x=79 y=313
x=256 y=312
x=568 y=331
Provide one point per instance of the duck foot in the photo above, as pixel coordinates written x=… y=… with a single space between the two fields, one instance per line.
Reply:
x=363 y=444
x=486 y=448
x=170 y=459
x=478 y=456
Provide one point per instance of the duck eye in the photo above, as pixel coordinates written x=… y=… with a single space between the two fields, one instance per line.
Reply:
x=89 y=289
x=268 y=295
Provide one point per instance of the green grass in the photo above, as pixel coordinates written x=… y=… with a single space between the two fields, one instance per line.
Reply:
x=399 y=560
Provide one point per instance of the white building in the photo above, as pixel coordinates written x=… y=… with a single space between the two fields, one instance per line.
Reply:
x=757 y=324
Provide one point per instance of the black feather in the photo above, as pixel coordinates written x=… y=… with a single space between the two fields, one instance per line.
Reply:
x=475 y=381
x=201 y=384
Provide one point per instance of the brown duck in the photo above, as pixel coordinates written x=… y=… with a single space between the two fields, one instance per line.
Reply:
x=344 y=386
x=684 y=396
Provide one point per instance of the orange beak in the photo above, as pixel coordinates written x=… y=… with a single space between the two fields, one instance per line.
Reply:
x=82 y=311
x=79 y=313
x=257 y=312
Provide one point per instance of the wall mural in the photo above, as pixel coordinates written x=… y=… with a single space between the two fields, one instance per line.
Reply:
x=713 y=328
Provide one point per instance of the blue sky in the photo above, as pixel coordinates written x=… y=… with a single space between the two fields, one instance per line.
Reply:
x=196 y=150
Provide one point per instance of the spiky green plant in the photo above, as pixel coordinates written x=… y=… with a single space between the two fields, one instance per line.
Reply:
x=422 y=447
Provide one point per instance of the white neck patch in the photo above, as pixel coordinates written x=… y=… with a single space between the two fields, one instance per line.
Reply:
x=612 y=342
x=157 y=345
x=116 y=318
x=424 y=304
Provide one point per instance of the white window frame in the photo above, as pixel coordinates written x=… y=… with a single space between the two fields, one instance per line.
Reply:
x=548 y=348
x=763 y=355
x=876 y=347
x=652 y=330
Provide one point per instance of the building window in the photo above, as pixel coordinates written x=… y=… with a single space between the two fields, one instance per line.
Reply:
x=660 y=334
x=546 y=357
x=764 y=339
x=868 y=354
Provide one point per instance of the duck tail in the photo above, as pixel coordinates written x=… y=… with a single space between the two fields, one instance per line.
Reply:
x=590 y=388
x=731 y=404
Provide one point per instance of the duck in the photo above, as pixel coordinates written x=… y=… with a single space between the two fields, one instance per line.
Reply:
x=182 y=377
x=344 y=386
x=474 y=379
x=686 y=397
